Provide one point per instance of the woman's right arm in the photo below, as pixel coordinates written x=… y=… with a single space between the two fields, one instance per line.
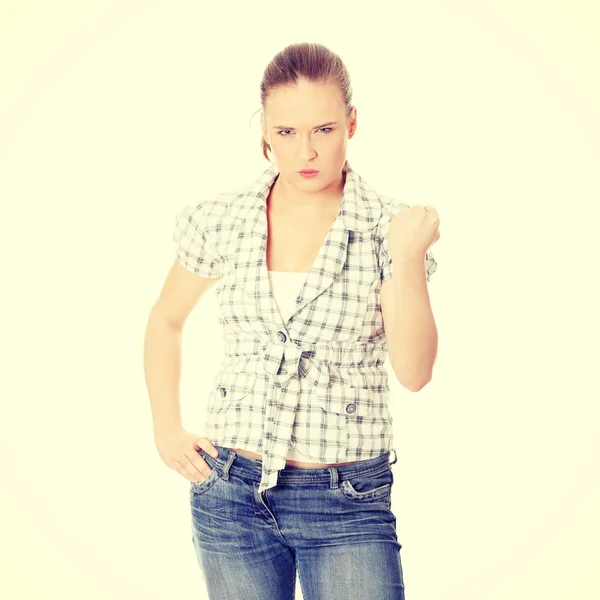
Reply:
x=162 y=345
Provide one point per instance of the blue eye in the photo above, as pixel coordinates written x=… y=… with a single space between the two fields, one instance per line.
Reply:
x=322 y=128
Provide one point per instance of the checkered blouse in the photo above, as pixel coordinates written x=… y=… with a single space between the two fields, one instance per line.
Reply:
x=319 y=378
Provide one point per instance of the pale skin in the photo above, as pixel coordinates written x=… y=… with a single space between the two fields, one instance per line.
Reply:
x=294 y=206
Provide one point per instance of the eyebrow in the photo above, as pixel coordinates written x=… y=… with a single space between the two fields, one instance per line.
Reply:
x=315 y=127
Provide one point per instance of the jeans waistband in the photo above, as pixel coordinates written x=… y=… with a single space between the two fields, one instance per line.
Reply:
x=229 y=460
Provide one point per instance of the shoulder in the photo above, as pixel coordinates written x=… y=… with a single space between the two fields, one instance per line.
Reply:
x=390 y=207
x=213 y=209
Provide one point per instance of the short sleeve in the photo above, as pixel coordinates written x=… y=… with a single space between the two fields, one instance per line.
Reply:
x=386 y=263
x=194 y=250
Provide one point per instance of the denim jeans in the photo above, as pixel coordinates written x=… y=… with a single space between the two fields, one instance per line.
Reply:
x=332 y=527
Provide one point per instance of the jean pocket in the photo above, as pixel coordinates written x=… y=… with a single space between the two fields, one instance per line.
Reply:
x=369 y=487
x=203 y=486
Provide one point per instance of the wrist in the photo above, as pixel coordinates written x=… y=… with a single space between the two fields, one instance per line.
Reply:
x=408 y=269
x=408 y=258
x=171 y=426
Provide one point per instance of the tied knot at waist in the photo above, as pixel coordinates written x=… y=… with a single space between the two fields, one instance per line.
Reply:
x=281 y=358
x=284 y=359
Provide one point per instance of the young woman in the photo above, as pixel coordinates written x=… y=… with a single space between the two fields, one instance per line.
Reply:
x=294 y=475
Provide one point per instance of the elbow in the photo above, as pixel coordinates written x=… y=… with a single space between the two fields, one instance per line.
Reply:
x=413 y=377
x=416 y=387
x=412 y=384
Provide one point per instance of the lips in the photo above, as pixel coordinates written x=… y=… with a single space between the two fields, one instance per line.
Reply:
x=308 y=172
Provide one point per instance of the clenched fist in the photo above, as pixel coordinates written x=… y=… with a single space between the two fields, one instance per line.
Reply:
x=413 y=231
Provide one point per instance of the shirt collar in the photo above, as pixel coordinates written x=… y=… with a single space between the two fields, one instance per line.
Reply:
x=360 y=210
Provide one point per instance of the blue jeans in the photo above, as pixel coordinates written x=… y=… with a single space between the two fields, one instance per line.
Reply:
x=334 y=527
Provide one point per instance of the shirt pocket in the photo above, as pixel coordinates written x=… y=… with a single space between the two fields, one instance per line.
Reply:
x=346 y=416
x=346 y=401
x=355 y=416
x=230 y=387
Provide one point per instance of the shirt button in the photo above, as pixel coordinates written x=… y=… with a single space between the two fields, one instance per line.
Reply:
x=281 y=336
x=223 y=392
x=350 y=408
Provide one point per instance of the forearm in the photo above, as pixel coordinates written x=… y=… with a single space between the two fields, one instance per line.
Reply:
x=162 y=368
x=415 y=336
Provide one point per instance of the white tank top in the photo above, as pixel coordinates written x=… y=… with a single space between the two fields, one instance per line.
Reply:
x=285 y=286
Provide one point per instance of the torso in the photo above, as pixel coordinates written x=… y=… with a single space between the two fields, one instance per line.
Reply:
x=294 y=240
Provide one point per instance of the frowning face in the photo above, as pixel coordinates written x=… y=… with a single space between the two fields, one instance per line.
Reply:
x=307 y=128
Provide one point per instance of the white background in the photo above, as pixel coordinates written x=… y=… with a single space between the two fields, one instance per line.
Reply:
x=115 y=115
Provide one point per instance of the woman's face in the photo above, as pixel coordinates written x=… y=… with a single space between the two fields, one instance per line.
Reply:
x=297 y=125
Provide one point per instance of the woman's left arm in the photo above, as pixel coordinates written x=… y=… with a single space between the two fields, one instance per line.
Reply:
x=414 y=338
x=411 y=333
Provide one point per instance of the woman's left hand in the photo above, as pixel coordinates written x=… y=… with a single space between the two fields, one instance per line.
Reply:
x=413 y=231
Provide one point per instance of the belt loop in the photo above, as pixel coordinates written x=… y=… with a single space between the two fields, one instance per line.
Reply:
x=395 y=456
x=334 y=477
x=227 y=465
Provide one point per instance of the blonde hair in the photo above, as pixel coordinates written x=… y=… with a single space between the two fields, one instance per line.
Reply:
x=310 y=61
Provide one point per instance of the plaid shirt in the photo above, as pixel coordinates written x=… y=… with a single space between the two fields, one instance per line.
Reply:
x=317 y=380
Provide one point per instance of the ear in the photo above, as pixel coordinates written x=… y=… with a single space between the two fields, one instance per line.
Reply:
x=353 y=120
